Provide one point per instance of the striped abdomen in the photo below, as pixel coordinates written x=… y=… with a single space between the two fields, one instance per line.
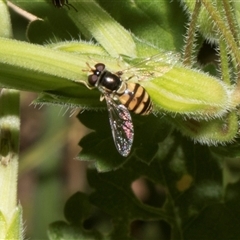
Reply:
x=136 y=99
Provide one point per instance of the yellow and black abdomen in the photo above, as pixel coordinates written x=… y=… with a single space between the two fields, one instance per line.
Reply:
x=136 y=99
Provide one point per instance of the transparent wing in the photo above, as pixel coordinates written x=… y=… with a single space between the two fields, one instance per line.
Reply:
x=151 y=67
x=121 y=126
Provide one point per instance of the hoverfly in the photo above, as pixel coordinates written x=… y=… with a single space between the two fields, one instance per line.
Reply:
x=121 y=97
x=61 y=3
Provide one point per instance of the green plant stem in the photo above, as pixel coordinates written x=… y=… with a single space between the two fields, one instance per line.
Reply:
x=226 y=33
x=230 y=18
x=232 y=22
x=8 y=184
x=36 y=68
x=224 y=62
x=10 y=214
x=189 y=47
x=11 y=224
x=5 y=23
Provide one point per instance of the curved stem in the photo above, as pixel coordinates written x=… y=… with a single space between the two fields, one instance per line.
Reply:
x=226 y=33
x=224 y=62
x=189 y=47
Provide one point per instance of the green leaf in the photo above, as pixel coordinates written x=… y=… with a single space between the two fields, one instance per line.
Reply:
x=158 y=22
x=77 y=208
x=99 y=147
x=195 y=191
x=231 y=151
x=61 y=230
x=97 y=23
x=92 y=21
x=121 y=204
x=219 y=219
x=54 y=26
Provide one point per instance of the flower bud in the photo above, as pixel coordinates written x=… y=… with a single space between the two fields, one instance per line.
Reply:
x=188 y=92
x=213 y=132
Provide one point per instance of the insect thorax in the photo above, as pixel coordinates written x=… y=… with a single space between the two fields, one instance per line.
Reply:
x=111 y=83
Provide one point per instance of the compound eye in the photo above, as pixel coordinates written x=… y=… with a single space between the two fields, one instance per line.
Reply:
x=92 y=79
x=99 y=67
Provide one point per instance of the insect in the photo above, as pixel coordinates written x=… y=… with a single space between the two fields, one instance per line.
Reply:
x=121 y=97
x=61 y=3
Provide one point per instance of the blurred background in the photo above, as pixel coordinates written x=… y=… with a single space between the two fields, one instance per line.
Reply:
x=48 y=163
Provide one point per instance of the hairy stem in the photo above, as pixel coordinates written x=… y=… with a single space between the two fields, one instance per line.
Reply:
x=189 y=47
x=224 y=61
x=223 y=28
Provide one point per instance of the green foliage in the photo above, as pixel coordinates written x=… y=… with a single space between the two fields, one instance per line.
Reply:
x=192 y=189
x=99 y=144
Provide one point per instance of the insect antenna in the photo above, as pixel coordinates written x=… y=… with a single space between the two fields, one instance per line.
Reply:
x=61 y=3
x=68 y=5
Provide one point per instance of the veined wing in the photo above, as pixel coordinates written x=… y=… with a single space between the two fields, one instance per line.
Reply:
x=151 y=67
x=121 y=126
